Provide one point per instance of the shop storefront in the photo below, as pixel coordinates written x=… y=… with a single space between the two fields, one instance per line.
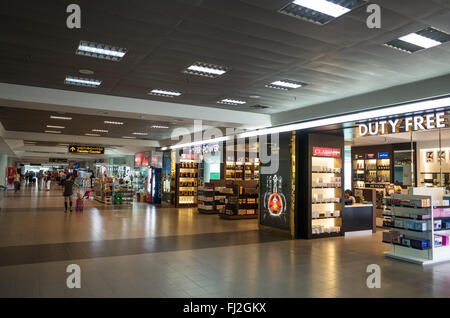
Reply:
x=392 y=173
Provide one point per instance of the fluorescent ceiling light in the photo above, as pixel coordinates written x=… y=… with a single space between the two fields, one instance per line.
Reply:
x=92 y=135
x=82 y=81
x=161 y=92
x=159 y=126
x=140 y=134
x=205 y=69
x=101 y=51
x=56 y=127
x=360 y=116
x=128 y=137
x=113 y=122
x=164 y=148
x=229 y=101
x=52 y=132
x=420 y=40
x=100 y=130
x=285 y=85
x=323 y=6
x=61 y=117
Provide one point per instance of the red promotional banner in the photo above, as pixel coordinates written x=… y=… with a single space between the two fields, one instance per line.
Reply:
x=11 y=173
x=326 y=152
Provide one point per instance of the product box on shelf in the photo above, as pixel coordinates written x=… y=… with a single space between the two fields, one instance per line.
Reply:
x=387 y=237
x=445 y=225
x=406 y=242
x=420 y=244
x=399 y=223
x=437 y=224
x=438 y=240
x=397 y=237
x=445 y=239
x=420 y=226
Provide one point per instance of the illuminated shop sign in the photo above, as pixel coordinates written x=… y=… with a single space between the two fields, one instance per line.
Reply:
x=206 y=148
x=413 y=123
x=383 y=155
x=326 y=152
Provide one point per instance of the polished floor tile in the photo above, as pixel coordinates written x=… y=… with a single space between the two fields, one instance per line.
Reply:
x=146 y=251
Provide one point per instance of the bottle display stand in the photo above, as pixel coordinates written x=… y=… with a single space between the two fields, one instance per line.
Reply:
x=206 y=200
x=241 y=200
x=419 y=232
x=187 y=183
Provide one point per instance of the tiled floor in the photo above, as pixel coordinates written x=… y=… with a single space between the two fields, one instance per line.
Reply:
x=143 y=251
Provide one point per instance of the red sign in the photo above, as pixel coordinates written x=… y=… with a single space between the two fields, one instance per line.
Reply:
x=326 y=152
x=141 y=159
x=11 y=172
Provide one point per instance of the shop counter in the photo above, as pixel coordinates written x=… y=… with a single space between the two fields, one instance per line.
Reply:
x=358 y=217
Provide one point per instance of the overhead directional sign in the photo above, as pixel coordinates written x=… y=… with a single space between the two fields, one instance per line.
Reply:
x=87 y=149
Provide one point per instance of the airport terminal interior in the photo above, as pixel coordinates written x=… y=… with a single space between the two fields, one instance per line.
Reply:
x=225 y=149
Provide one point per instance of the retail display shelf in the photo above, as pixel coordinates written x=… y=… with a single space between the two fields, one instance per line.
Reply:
x=204 y=211
x=398 y=244
x=405 y=229
x=326 y=203
x=327 y=172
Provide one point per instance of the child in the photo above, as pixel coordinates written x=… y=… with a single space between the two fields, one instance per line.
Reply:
x=80 y=203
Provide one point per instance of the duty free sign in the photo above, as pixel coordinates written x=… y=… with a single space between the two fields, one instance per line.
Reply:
x=406 y=124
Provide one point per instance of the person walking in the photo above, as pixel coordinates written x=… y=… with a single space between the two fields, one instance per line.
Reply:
x=68 y=191
x=40 y=177
x=16 y=182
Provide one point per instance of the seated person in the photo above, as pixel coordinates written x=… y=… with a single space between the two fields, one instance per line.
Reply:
x=349 y=198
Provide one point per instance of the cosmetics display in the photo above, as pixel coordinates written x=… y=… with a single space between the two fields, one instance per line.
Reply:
x=326 y=192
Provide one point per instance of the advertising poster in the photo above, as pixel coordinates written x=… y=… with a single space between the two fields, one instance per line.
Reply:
x=276 y=188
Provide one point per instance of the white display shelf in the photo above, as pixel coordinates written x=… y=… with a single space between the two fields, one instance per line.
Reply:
x=427 y=256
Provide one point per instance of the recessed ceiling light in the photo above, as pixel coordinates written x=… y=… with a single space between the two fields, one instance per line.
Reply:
x=82 y=81
x=100 y=130
x=285 y=85
x=420 y=40
x=56 y=127
x=92 y=135
x=159 y=126
x=255 y=96
x=101 y=51
x=320 y=11
x=164 y=93
x=61 y=117
x=128 y=137
x=52 y=132
x=113 y=122
x=86 y=72
x=205 y=69
x=140 y=134
x=229 y=101
x=29 y=142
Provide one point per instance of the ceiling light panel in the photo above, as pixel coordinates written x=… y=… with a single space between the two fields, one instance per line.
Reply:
x=113 y=122
x=101 y=51
x=285 y=85
x=55 y=127
x=160 y=126
x=79 y=81
x=205 y=69
x=420 y=40
x=100 y=130
x=61 y=117
x=140 y=134
x=52 y=132
x=128 y=137
x=164 y=93
x=320 y=11
x=92 y=135
x=228 y=101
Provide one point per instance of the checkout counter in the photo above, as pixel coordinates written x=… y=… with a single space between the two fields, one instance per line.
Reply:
x=360 y=216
